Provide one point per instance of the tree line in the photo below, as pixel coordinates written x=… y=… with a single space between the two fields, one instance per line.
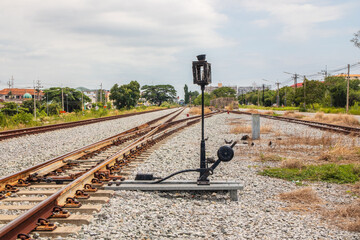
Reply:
x=124 y=96
x=328 y=93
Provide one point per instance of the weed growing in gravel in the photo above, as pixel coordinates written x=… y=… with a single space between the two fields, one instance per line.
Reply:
x=292 y=114
x=303 y=195
x=340 y=153
x=197 y=110
x=339 y=119
x=270 y=158
x=247 y=129
x=346 y=217
x=328 y=173
x=292 y=163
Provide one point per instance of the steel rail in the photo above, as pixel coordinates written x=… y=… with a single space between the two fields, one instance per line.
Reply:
x=34 y=130
x=26 y=222
x=13 y=178
x=319 y=125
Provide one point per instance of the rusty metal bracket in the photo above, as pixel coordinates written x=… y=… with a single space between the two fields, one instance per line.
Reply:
x=89 y=188
x=72 y=203
x=79 y=194
x=23 y=236
x=96 y=182
x=45 y=225
x=22 y=183
x=11 y=188
x=58 y=212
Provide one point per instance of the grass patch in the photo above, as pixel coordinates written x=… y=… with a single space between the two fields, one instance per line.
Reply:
x=292 y=114
x=341 y=154
x=270 y=158
x=346 y=217
x=304 y=195
x=328 y=173
x=338 y=119
x=292 y=164
x=247 y=129
x=197 y=110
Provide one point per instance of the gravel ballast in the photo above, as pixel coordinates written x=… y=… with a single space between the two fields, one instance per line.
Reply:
x=257 y=215
x=20 y=153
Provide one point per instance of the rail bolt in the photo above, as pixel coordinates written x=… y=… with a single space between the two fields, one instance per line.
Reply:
x=45 y=225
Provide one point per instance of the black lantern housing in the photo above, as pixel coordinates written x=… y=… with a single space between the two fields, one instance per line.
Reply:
x=201 y=71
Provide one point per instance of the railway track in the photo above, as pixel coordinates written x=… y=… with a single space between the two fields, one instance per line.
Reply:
x=34 y=130
x=33 y=200
x=323 y=126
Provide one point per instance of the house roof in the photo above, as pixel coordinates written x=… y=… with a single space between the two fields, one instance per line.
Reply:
x=19 y=91
x=345 y=75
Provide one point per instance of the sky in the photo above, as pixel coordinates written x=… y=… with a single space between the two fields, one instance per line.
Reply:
x=73 y=43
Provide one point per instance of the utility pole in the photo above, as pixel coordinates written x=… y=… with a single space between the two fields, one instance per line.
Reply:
x=278 y=94
x=258 y=103
x=304 y=92
x=82 y=101
x=347 y=89
x=62 y=98
x=263 y=96
x=47 y=106
x=34 y=101
x=101 y=92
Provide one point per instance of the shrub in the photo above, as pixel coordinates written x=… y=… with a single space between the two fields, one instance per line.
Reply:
x=327 y=173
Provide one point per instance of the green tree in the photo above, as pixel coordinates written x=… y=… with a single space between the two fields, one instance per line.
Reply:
x=356 y=39
x=72 y=98
x=198 y=100
x=186 y=94
x=193 y=95
x=315 y=92
x=125 y=96
x=337 y=89
x=28 y=106
x=159 y=93
x=223 y=92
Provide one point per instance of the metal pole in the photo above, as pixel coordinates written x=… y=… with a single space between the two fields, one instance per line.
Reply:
x=347 y=89
x=34 y=102
x=82 y=101
x=47 y=106
x=62 y=98
x=304 y=92
x=202 y=146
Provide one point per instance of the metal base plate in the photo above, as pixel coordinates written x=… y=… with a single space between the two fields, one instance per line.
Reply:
x=178 y=185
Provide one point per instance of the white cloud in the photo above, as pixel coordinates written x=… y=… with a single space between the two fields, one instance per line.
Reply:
x=298 y=19
x=49 y=35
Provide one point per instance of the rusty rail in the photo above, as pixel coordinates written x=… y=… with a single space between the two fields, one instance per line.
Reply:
x=319 y=125
x=27 y=221
x=34 y=130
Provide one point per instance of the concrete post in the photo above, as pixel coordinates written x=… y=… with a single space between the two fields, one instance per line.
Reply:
x=255 y=126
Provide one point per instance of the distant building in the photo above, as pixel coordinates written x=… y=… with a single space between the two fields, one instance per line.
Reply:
x=19 y=95
x=352 y=76
x=210 y=89
x=244 y=90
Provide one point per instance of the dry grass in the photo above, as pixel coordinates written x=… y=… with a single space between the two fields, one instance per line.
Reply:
x=324 y=140
x=270 y=112
x=341 y=154
x=301 y=196
x=292 y=163
x=292 y=114
x=229 y=107
x=197 y=110
x=338 y=119
x=247 y=129
x=346 y=217
x=269 y=157
x=241 y=129
x=254 y=111
x=356 y=189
